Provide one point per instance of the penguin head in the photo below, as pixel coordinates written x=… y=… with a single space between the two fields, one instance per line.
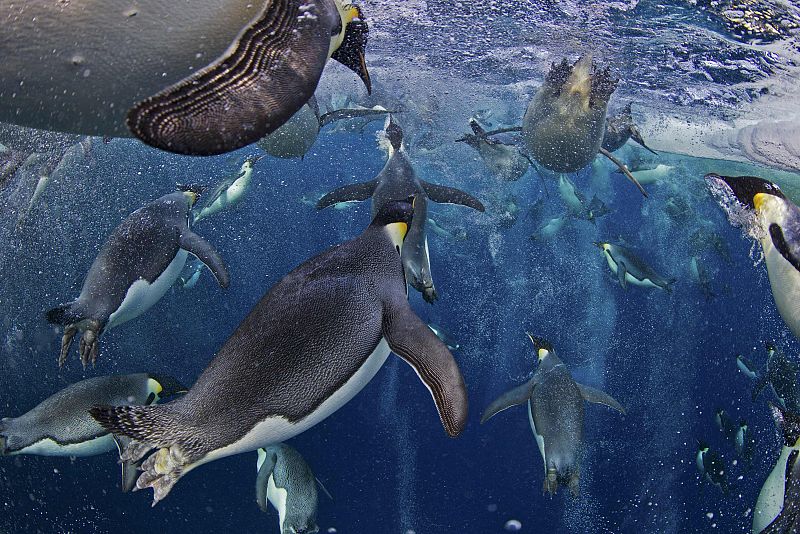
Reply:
x=542 y=346
x=165 y=386
x=789 y=424
x=192 y=192
x=250 y=162
x=750 y=191
x=351 y=51
x=395 y=218
x=602 y=246
x=393 y=133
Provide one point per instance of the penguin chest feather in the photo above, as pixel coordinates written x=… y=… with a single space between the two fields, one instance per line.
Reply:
x=49 y=447
x=539 y=437
x=784 y=280
x=142 y=295
x=770 y=498
x=277 y=429
x=277 y=497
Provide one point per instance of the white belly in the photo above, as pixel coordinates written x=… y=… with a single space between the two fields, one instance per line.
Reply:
x=277 y=497
x=48 y=447
x=628 y=278
x=278 y=429
x=539 y=438
x=142 y=295
x=770 y=498
x=785 y=282
x=227 y=198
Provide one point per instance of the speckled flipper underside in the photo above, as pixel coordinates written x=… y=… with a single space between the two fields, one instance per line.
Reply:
x=265 y=77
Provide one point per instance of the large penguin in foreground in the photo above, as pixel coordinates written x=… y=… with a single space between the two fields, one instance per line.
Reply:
x=61 y=425
x=396 y=181
x=286 y=481
x=312 y=342
x=139 y=262
x=199 y=78
x=565 y=122
x=555 y=411
x=763 y=211
x=296 y=137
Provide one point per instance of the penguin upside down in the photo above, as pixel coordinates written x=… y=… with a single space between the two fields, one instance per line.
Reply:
x=352 y=303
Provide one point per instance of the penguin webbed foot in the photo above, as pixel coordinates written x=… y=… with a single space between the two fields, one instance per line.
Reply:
x=430 y=295
x=66 y=343
x=161 y=471
x=88 y=348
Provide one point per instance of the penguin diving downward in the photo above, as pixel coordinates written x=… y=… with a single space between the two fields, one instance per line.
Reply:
x=773 y=493
x=202 y=78
x=711 y=467
x=780 y=373
x=396 y=181
x=630 y=268
x=306 y=348
x=296 y=137
x=287 y=482
x=555 y=412
x=61 y=425
x=503 y=159
x=763 y=211
x=137 y=265
x=565 y=122
x=229 y=192
x=619 y=129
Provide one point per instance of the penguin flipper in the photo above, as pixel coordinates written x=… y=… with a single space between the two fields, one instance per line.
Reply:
x=621 y=272
x=204 y=252
x=514 y=397
x=262 y=480
x=266 y=75
x=761 y=383
x=348 y=193
x=450 y=195
x=746 y=367
x=596 y=396
x=414 y=342
x=130 y=470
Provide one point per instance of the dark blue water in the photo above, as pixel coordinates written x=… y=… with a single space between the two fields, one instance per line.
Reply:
x=669 y=358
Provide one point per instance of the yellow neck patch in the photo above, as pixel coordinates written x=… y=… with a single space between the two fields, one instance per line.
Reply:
x=759 y=200
x=154 y=387
x=397 y=232
x=543 y=354
x=192 y=196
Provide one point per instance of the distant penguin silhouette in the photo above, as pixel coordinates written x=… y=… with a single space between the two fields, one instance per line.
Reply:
x=201 y=78
x=504 y=160
x=61 y=425
x=138 y=264
x=628 y=267
x=229 y=192
x=309 y=345
x=619 y=129
x=555 y=412
x=396 y=181
x=286 y=481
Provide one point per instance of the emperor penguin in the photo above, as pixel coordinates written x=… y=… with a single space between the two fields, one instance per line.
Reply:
x=137 y=265
x=202 y=78
x=628 y=267
x=619 y=129
x=229 y=192
x=296 y=137
x=287 y=482
x=396 y=181
x=503 y=159
x=565 y=122
x=761 y=208
x=306 y=348
x=711 y=467
x=61 y=425
x=555 y=412
x=771 y=497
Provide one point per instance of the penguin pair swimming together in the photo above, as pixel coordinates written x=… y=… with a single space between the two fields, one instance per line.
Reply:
x=228 y=192
x=137 y=265
x=296 y=137
x=308 y=346
x=565 y=122
x=201 y=78
x=556 y=414
x=61 y=425
x=629 y=268
x=763 y=211
x=286 y=481
x=396 y=181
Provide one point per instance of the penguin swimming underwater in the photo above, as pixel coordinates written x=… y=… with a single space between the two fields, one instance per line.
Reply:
x=201 y=79
x=555 y=411
x=229 y=192
x=711 y=467
x=763 y=211
x=312 y=342
x=61 y=425
x=564 y=124
x=772 y=494
x=780 y=373
x=503 y=160
x=619 y=129
x=396 y=181
x=296 y=137
x=287 y=482
x=630 y=268
x=138 y=263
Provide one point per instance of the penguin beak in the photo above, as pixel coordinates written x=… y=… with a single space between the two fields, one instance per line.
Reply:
x=744 y=188
x=352 y=52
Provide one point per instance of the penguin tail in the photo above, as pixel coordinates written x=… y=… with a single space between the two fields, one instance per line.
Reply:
x=62 y=315
x=152 y=427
